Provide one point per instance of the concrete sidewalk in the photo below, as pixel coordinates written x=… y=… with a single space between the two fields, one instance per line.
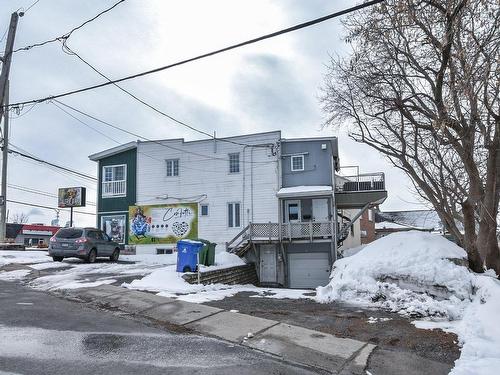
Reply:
x=288 y=342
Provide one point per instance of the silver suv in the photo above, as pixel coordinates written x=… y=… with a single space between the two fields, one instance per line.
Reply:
x=84 y=243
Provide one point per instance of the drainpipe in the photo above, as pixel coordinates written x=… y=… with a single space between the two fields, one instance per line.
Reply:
x=334 y=209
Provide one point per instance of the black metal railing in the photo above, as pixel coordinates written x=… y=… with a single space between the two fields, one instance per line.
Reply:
x=361 y=182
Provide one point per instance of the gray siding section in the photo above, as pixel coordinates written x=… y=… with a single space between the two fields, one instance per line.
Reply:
x=317 y=162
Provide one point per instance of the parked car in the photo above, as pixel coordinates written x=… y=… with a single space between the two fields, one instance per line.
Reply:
x=83 y=243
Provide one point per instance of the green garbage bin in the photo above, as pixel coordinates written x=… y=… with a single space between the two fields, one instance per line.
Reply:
x=207 y=252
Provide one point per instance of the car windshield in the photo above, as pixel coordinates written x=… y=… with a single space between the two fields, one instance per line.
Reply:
x=69 y=233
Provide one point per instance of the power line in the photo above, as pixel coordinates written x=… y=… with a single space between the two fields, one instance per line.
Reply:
x=202 y=56
x=118 y=142
x=40 y=192
x=51 y=164
x=31 y=6
x=68 y=34
x=207 y=157
x=71 y=52
x=47 y=207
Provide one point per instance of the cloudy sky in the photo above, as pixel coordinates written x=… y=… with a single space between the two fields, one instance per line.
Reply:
x=271 y=85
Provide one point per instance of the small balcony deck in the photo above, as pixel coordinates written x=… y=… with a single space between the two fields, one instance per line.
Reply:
x=359 y=190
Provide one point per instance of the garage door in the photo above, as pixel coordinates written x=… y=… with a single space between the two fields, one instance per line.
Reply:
x=308 y=270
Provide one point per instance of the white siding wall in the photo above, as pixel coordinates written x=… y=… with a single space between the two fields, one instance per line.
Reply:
x=200 y=174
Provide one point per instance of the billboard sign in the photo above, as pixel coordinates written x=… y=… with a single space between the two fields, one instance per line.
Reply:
x=165 y=223
x=71 y=197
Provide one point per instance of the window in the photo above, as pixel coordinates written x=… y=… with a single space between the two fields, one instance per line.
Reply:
x=172 y=167
x=233 y=215
x=234 y=162
x=204 y=210
x=114 y=181
x=297 y=163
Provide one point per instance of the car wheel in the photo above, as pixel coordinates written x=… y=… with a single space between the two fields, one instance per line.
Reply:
x=58 y=259
x=186 y=269
x=116 y=254
x=92 y=256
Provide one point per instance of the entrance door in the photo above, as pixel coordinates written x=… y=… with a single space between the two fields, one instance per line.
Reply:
x=320 y=209
x=292 y=214
x=268 y=264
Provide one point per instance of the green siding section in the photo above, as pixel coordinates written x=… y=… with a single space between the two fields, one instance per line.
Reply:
x=107 y=206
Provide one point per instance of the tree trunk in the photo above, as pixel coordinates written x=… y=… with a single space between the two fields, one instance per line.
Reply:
x=470 y=238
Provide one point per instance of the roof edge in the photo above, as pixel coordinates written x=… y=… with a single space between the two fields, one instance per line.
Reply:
x=113 y=151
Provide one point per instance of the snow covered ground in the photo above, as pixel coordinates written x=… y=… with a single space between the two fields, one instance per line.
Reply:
x=410 y=273
x=154 y=273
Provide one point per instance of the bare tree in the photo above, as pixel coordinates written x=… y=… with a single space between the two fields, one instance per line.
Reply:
x=422 y=86
x=20 y=218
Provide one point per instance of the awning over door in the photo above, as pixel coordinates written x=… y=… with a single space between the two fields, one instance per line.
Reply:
x=304 y=191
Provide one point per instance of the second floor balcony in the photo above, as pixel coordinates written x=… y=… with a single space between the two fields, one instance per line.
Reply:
x=114 y=188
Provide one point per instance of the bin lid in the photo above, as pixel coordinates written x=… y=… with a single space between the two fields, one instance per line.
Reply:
x=188 y=241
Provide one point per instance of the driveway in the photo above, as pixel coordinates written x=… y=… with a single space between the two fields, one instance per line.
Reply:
x=419 y=351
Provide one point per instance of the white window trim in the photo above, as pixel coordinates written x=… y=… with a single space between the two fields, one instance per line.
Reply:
x=291 y=163
x=124 y=220
x=103 y=182
x=227 y=215
x=208 y=210
x=178 y=167
x=239 y=163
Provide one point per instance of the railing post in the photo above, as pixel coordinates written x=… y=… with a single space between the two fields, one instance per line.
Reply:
x=250 y=231
x=311 y=231
x=227 y=248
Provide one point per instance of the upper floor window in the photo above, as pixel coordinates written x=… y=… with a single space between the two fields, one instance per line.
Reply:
x=172 y=167
x=297 y=163
x=204 y=209
x=114 y=181
x=234 y=162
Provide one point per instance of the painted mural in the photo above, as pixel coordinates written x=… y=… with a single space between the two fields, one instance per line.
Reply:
x=166 y=223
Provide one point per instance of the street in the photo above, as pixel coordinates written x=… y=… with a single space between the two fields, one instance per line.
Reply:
x=43 y=334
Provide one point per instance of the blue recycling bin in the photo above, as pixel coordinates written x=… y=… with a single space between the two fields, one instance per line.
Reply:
x=187 y=255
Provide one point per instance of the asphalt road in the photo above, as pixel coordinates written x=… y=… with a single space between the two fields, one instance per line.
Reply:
x=43 y=334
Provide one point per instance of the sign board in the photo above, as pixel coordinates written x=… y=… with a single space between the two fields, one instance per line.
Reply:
x=71 y=197
x=165 y=223
x=114 y=226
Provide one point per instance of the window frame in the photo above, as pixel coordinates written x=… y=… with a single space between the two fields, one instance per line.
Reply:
x=201 y=210
x=103 y=180
x=292 y=157
x=232 y=154
x=232 y=224
x=173 y=161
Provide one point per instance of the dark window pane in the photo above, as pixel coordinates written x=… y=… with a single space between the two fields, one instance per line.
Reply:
x=69 y=233
x=204 y=210
x=236 y=214
x=230 y=215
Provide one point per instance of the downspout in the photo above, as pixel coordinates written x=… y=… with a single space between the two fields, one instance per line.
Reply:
x=334 y=208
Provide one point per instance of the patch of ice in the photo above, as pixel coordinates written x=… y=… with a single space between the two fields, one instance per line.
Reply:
x=23 y=257
x=372 y=320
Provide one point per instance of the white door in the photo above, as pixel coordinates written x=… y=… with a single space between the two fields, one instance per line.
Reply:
x=320 y=209
x=267 y=264
x=308 y=270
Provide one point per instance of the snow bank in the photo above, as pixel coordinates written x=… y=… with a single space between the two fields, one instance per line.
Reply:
x=405 y=272
x=23 y=257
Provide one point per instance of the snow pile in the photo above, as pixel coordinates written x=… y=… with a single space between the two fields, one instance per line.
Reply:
x=166 y=282
x=23 y=257
x=406 y=272
x=479 y=331
x=224 y=260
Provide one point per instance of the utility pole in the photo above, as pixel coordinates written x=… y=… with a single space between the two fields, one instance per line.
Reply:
x=5 y=153
x=6 y=60
x=4 y=102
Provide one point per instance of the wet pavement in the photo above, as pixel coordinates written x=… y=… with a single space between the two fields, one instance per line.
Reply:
x=43 y=334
